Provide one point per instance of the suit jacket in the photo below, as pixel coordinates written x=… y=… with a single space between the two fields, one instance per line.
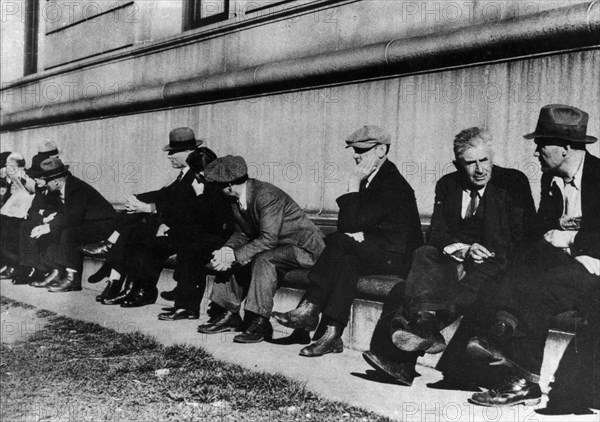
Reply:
x=386 y=212
x=509 y=212
x=587 y=241
x=272 y=219
x=83 y=204
x=44 y=203
x=173 y=200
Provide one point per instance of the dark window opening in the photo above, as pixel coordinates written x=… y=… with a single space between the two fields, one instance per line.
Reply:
x=32 y=22
x=197 y=13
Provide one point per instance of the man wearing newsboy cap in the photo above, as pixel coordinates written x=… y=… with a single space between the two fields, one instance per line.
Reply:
x=82 y=214
x=559 y=271
x=272 y=234
x=140 y=244
x=378 y=231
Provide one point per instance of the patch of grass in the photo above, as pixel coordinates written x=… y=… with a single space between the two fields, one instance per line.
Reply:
x=88 y=372
x=10 y=303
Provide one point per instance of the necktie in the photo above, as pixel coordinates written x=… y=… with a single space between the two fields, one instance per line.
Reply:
x=472 y=208
x=179 y=177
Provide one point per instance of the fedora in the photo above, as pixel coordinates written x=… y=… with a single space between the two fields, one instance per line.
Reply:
x=182 y=139
x=562 y=122
x=53 y=168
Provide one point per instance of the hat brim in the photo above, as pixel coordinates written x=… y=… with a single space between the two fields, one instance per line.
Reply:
x=364 y=145
x=53 y=176
x=585 y=140
x=187 y=148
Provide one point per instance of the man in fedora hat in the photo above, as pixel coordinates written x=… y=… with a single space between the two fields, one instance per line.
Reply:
x=82 y=214
x=559 y=271
x=378 y=231
x=272 y=234
x=144 y=228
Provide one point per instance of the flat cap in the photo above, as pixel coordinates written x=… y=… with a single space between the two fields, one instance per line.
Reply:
x=368 y=136
x=226 y=169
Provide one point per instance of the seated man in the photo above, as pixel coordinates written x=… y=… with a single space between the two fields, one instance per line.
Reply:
x=378 y=230
x=481 y=213
x=83 y=214
x=559 y=271
x=272 y=234
x=140 y=244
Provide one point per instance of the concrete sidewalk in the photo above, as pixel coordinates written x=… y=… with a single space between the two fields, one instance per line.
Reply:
x=339 y=377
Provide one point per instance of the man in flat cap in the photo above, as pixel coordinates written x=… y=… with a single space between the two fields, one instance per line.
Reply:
x=558 y=271
x=481 y=212
x=272 y=234
x=83 y=214
x=378 y=230
x=140 y=244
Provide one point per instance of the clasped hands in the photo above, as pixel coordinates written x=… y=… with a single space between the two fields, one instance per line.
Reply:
x=223 y=259
x=476 y=252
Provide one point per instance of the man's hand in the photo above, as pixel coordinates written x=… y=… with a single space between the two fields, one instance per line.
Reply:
x=479 y=253
x=223 y=259
x=560 y=238
x=39 y=231
x=361 y=172
x=134 y=206
x=591 y=264
x=49 y=218
x=162 y=230
x=198 y=187
x=359 y=236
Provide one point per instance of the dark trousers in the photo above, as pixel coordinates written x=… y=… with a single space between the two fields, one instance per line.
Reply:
x=543 y=282
x=334 y=278
x=37 y=253
x=133 y=230
x=71 y=238
x=433 y=282
x=190 y=273
x=9 y=240
x=145 y=261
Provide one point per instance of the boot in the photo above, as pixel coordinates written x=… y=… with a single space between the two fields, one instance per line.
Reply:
x=51 y=280
x=260 y=328
x=113 y=287
x=71 y=283
x=305 y=316
x=119 y=297
x=28 y=276
x=140 y=297
x=330 y=342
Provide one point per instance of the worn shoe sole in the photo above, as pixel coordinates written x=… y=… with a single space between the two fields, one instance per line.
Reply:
x=178 y=318
x=410 y=342
x=524 y=402
x=249 y=341
x=206 y=330
x=282 y=319
x=70 y=289
x=374 y=362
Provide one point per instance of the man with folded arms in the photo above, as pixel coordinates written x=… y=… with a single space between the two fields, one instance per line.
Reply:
x=272 y=234
x=558 y=271
x=378 y=231
x=83 y=214
x=481 y=213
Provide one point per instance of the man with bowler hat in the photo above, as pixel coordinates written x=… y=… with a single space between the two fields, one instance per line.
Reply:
x=83 y=214
x=272 y=234
x=378 y=230
x=559 y=271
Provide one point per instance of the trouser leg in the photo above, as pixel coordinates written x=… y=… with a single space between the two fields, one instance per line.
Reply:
x=267 y=268
x=71 y=238
x=37 y=253
x=190 y=274
x=146 y=263
x=9 y=239
x=229 y=290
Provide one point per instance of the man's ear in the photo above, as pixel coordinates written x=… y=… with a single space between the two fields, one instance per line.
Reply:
x=457 y=166
x=381 y=151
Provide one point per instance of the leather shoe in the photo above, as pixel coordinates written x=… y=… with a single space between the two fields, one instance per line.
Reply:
x=119 y=296
x=170 y=295
x=512 y=391
x=421 y=333
x=330 y=342
x=179 y=314
x=113 y=287
x=101 y=274
x=305 y=316
x=70 y=283
x=28 y=277
x=403 y=372
x=229 y=321
x=140 y=297
x=259 y=329
x=98 y=249
x=12 y=272
x=53 y=279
